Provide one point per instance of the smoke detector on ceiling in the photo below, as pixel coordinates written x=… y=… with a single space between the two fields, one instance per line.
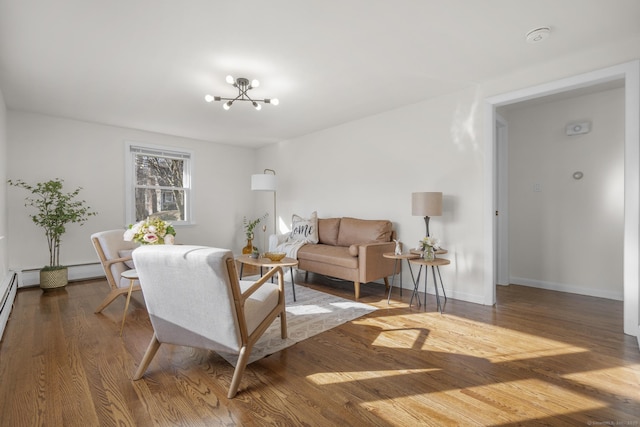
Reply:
x=539 y=34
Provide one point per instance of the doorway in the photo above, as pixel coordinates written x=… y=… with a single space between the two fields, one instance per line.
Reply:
x=629 y=73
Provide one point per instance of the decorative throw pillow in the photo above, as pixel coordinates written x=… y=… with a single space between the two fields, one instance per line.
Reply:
x=304 y=229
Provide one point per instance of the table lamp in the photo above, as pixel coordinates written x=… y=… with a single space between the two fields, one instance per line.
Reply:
x=426 y=204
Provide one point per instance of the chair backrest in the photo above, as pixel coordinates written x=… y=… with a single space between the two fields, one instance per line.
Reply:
x=189 y=295
x=110 y=246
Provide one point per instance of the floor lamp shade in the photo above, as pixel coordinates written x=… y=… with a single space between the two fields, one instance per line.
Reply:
x=264 y=182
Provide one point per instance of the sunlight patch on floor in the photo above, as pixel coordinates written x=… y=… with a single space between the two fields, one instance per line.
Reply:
x=326 y=378
x=611 y=380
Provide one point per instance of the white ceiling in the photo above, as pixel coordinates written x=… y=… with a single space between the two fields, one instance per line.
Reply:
x=147 y=64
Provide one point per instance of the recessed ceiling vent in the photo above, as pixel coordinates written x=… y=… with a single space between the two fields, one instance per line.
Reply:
x=539 y=34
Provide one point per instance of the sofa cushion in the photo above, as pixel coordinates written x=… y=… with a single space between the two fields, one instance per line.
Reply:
x=328 y=230
x=328 y=254
x=353 y=231
x=304 y=229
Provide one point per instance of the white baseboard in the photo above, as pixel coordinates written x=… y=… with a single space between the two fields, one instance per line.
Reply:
x=564 y=287
x=76 y=272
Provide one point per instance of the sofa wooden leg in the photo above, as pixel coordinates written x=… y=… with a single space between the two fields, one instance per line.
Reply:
x=356 y=285
x=386 y=283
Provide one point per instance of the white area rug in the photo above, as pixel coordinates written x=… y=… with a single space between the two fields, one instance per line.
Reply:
x=313 y=312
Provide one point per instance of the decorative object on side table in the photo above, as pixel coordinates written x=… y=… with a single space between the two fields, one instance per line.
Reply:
x=429 y=246
x=275 y=256
x=151 y=231
x=398 y=249
x=249 y=226
x=55 y=210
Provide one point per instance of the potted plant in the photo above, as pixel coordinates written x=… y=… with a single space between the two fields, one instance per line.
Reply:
x=55 y=209
x=249 y=226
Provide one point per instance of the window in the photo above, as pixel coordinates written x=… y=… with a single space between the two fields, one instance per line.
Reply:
x=158 y=184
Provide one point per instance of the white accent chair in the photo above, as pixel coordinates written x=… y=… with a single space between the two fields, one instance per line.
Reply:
x=115 y=256
x=195 y=298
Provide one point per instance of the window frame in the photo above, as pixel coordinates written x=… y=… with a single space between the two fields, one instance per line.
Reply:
x=132 y=149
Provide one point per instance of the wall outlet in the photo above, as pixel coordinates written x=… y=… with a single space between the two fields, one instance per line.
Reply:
x=537 y=187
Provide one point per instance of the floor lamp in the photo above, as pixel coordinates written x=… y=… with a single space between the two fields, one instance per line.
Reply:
x=267 y=182
x=426 y=204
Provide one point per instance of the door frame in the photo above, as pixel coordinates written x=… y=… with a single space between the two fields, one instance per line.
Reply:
x=628 y=72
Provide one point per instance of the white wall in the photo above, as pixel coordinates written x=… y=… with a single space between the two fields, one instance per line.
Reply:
x=569 y=235
x=92 y=156
x=3 y=192
x=368 y=168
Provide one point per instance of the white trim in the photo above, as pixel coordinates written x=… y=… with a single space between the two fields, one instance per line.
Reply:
x=630 y=72
x=567 y=287
x=31 y=277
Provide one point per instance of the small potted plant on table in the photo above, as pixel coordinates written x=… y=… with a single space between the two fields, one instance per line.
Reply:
x=55 y=209
x=249 y=226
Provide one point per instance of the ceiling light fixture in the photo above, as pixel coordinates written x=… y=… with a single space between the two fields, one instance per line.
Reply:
x=243 y=85
x=539 y=34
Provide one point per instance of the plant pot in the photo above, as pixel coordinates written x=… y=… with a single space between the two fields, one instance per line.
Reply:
x=52 y=279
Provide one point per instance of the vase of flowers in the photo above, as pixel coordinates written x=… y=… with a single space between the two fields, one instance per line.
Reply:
x=151 y=231
x=249 y=226
x=429 y=246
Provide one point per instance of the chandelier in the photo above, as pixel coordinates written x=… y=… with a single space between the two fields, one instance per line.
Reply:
x=243 y=85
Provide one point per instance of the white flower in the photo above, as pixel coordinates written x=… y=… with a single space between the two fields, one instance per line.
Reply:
x=169 y=239
x=129 y=234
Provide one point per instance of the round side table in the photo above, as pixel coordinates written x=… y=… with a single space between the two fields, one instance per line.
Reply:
x=434 y=264
x=266 y=262
x=398 y=260
x=132 y=275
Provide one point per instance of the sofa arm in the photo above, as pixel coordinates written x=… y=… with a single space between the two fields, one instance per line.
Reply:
x=372 y=264
x=276 y=240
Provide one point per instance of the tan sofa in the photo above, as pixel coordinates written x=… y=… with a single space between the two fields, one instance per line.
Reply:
x=350 y=249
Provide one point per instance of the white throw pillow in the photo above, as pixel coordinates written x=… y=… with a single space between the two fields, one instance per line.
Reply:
x=304 y=229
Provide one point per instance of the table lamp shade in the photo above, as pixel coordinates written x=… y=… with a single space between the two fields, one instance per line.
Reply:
x=264 y=182
x=426 y=204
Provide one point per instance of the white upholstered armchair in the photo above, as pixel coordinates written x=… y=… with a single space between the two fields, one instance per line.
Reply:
x=195 y=299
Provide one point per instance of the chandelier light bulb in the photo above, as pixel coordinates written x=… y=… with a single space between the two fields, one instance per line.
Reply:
x=227 y=105
x=275 y=101
x=208 y=98
x=255 y=83
x=230 y=79
x=257 y=106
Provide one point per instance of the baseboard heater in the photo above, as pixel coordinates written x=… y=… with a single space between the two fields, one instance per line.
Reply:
x=10 y=286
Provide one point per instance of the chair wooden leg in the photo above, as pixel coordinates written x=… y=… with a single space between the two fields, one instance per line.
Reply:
x=283 y=324
x=148 y=356
x=243 y=357
x=115 y=293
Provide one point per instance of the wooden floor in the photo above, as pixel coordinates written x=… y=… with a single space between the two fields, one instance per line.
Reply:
x=536 y=358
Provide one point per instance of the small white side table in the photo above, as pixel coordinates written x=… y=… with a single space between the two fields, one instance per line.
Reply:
x=132 y=275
